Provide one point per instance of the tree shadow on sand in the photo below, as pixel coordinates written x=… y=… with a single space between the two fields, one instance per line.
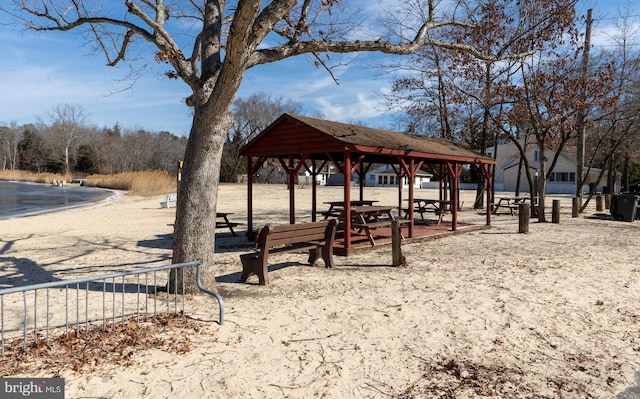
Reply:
x=631 y=392
x=22 y=271
x=26 y=270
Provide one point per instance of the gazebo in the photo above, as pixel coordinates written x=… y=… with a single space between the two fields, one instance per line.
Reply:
x=298 y=142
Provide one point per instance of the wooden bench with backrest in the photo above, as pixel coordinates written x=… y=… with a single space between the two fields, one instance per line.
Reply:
x=317 y=237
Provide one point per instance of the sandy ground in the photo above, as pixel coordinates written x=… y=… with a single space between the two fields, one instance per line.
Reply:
x=554 y=313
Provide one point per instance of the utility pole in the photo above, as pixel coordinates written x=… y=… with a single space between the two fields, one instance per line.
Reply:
x=582 y=113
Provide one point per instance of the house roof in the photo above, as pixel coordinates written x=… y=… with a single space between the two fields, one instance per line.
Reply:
x=294 y=134
x=387 y=169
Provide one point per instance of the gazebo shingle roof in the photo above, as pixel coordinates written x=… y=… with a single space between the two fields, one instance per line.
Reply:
x=313 y=135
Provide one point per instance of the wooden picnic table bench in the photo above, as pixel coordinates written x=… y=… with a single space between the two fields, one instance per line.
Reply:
x=372 y=217
x=331 y=214
x=511 y=204
x=426 y=205
x=317 y=237
x=336 y=207
x=225 y=221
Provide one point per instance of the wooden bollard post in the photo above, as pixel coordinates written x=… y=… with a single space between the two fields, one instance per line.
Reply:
x=396 y=244
x=599 y=203
x=575 y=207
x=555 y=212
x=607 y=201
x=524 y=214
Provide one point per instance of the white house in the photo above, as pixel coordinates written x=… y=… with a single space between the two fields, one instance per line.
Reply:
x=563 y=177
x=386 y=176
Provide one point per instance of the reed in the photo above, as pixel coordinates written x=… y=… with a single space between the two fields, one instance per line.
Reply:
x=26 y=176
x=146 y=184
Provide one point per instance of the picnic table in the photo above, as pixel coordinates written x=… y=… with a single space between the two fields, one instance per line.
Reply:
x=225 y=221
x=509 y=204
x=425 y=205
x=336 y=207
x=370 y=217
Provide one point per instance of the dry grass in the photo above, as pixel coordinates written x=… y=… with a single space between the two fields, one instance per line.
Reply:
x=23 y=175
x=137 y=183
x=145 y=184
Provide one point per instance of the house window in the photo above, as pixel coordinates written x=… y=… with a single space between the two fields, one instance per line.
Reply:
x=536 y=155
x=563 y=177
x=379 y=180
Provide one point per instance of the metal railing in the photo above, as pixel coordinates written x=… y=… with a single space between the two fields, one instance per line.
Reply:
x=118 y=295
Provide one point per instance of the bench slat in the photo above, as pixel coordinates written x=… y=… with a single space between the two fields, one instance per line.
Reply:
x=224 y=224
x=375 y=225
x=275 y=240
x=372 y=225
x=295 y=248
x=299 y=227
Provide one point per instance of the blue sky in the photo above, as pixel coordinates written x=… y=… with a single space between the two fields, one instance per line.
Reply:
x=40 y=71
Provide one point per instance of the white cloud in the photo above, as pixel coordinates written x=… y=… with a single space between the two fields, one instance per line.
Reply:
x=41 y=71
x=356 y=97
x=361 y=107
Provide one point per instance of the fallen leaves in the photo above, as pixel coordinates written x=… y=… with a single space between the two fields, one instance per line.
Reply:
x=86 y=350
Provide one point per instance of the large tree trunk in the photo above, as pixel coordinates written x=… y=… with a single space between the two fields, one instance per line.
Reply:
x=194 y=231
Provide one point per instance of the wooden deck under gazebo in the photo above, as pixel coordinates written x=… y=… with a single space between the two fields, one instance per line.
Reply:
x=300 y=143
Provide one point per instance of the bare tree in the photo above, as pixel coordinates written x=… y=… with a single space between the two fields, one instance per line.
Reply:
x=10 y=136
x=613 y=139
x=67 y=128
x=251 y=115
x=228 y=38
x=463 y=94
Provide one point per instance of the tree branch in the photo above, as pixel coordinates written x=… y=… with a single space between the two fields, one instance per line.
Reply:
x=326 y=67
x=267 y=19
x=264 y=56
x=302 y=22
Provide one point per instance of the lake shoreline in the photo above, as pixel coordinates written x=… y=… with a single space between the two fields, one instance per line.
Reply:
x=22 y=199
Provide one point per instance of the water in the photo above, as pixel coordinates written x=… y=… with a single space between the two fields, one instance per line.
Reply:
x=22 y=199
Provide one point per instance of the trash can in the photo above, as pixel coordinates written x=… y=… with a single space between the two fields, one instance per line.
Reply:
x=624 y=207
